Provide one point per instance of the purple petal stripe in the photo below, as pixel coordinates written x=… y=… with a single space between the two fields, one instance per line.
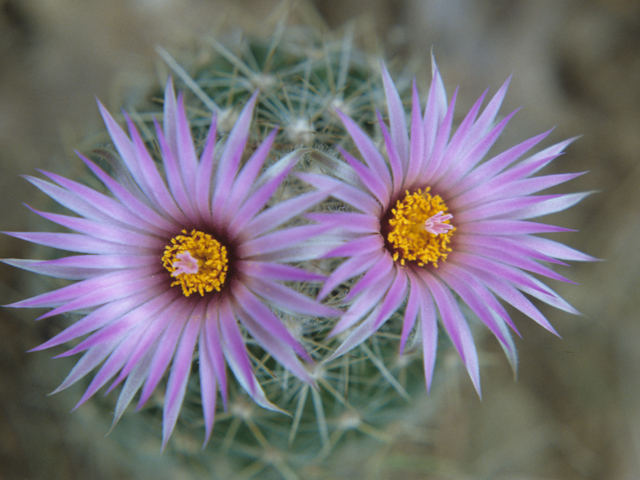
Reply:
x=396 y=117
x=281 y=213
x=205 y=173
x=372 y=157
x=208 y=385
x=162 y=357
x=429 y=334
x=129 y=200
x=235 y=351
x=383 y=267
x=277 y=271
x=456 y=326
x=180 y=371
x=347 y=193
x=350 y=268
x=257 y=200
x=411 y=310
x=416 y=155
x=91 y=359
x=245 y=183
x=397 y=167
x=230 y=160
x=214 y=349
x=371 y=178
x=248 y=302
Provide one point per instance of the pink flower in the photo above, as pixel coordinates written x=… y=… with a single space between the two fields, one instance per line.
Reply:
x=435 y=222
x=168 y=264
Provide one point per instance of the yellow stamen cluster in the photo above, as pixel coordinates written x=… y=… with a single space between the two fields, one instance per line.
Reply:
x=408 y=236
x=211 y=256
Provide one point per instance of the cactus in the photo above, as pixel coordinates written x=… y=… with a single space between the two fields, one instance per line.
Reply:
x=359 y=406
x=302 y=76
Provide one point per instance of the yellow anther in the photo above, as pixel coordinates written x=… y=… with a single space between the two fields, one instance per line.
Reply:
x=197 y=261
x=412 y=235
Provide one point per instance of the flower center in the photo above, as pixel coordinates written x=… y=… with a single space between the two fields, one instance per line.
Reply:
x=197 y=261
x=419 y=229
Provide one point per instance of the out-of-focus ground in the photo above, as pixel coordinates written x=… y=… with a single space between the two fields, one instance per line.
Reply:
x=573 y=413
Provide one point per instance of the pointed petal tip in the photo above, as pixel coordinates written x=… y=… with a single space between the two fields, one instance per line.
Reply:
x=101 y=106
x=251 y=103
x=343 y=116
x=68 y=353
x=164 y=444
x=434 y=64
x=39 y=348
x=475 y=380
x=23 y=304
x=516 y=331
x=386 y=77
x=79 y=404
x=14 y=304
x=169 y=85
x=45 y=315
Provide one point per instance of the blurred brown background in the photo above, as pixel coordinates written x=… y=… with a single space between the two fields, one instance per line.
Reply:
x=573 y=413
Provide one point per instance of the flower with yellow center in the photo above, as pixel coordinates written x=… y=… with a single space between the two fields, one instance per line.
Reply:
x=420 y=231
x=156 y=296
x=399 y=239
x=197 y=261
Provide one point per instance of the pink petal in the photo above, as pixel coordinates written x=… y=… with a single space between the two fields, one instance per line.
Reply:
x=416 y=156
x=174 y=177
x=288 y=300
x=494 y=166
x=279 y=240
x=397 y=167
x=359 y=246
x=432 y=164
x=246 y=180
x=342 y=191
x=274 y=345
x=114 y=363
x=185 y=149
x=274 y=216
x=348 y=269
x=162 y=357
x=456 y=326
x=247 y=301
x=213 y=345
x=396 y=117
x=158 y=313
x=361 y=306
x=381 y=269
x=208 y=386
x=203 y=180
x=230 y=160
x=88 y=362
x=235 y=351
x=372 y=157
x=371 y=178
x=434 y=113
x=352 y=222
x=129 y=200
x=411 y=310
x=259 y=198
x=152 y=180
x=277 y=271
x=429 y=335
x=180 y=371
